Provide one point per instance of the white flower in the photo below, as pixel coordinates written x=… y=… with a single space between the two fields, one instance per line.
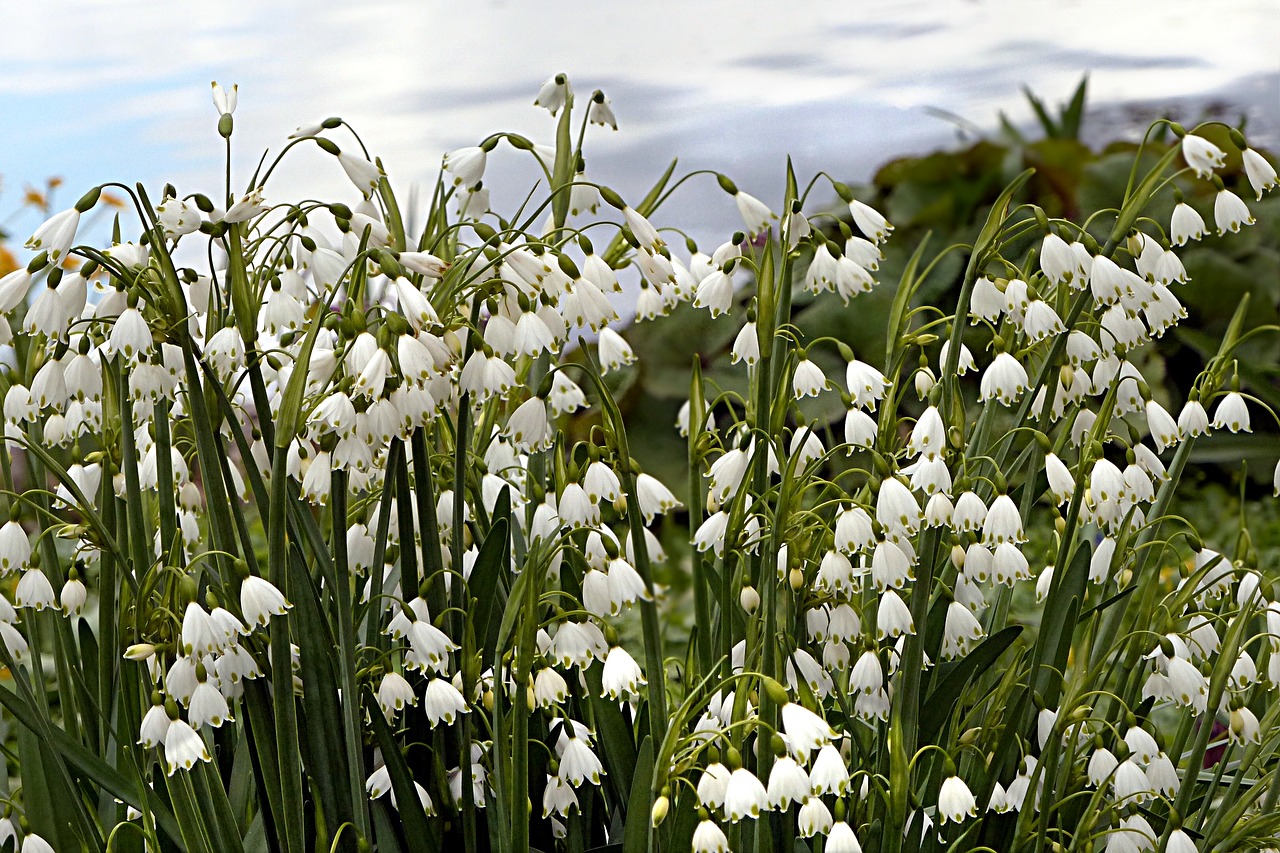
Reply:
x=154 y=725
x=808 y=380
x=746 y=346
x=1202 y=155
x=1185 y=225
x=74 y=594
x=755 y=213
x=869 y=221
x=893 y=618
x=621 y=677
x=363 y=174
x=1232 y=413
x=34 y=591
x=183 y=747
x=744 y=796
x=866 y=385
x=529 y=428
x=1229 y=212
x=1180 y=842
x=1058 y=262
x=246 y=207
x=614 y=351
x=805 y=730
x=15 y=548
x=788 y=783
x=207 y=706
x=223 y=101
x=36 y=844
x=986 y=302
x=840 y=839
x=578 y=762
x=1061 y=483
x=1193 y=421
x=712 y=785
x=1040 y=320
x=709 y=838
x=554 y=93
x=130 y=336
x=654 y=497
x=1164 y=429
x=1005 y=379
x=829 y=774
x=466 y=165
x=955 y=800
x=57 y=234
x=442 y=701
x=715 y=293
x=394 y=692
x=962 y=630
x=1003 y=523
x=1261 y=174
x=260 y=600
x=814 y=818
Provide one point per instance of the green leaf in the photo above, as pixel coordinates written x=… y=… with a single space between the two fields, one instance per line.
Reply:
x=937 y=708
x=485 y=585
x=635 y=838
x=617 y=743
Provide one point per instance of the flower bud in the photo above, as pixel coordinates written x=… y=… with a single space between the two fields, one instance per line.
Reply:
x=660 y=808
x=749 y=599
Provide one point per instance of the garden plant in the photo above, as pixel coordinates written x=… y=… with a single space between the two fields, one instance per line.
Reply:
x=325 y=531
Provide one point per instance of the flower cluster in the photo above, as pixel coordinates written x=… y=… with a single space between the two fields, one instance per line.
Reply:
x=329 y=527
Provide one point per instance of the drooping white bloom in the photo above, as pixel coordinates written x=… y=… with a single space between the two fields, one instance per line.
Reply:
x=744 y=796
x=1232 y=413
x=207 y=706
x=1261 y=174
x=654 y=497
x=805 y=730
x=466 y=165
x=955 y=800
x=1003 y=523
x=1230 y=212
x=614 y=351
x=841 y=839
x=1005 y=379
x=829 y=775
x=869 y=221
x=553 y=94
x=183 y=747
x=224 y=101
x=1185 y=225
x=363 y=174
x=814 y=818
x=788 y=783
x=260 y=600
x=809 y=380
x=712 y=785
x=621 y=677
x=709 y=838
x=1202 y=155
x=442 y=702
x=1193 y=420
x=58 y=232
x=715 y=293
x=755 y=213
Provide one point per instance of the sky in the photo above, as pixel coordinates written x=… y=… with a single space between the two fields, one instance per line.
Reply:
x=119 y=89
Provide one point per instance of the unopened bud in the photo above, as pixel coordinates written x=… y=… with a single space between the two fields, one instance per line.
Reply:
x=139 y=652
x=661 y=806
x=749 y=599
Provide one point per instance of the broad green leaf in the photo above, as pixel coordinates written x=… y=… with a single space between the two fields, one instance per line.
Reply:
x=636 y=836
x=935 y=710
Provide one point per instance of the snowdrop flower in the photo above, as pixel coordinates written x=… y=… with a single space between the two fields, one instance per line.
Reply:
x=709 y=838
x=58 y=232
x=805 y=730
x=394 y=692
x=554 y=93
x=809 y=380
x=621 y=677
x=788 y=783
x=183 y=747
x=869 y=221
x=74 y=594
x=712 y=785
x=1261 y=174
x=225 y=101
x=654 y=497
x=1005 y=379
x=363 y=174
x=442 y=702
x=755 y=213
x=715 y=293
x=260 y=600
x=841 y=839
x=955 y=800
x=1232 y=413
x=829 y=774
x=614 y=351
x=1202 y=155
x=1185 y=225
x=1193 y=421
x=1229 y=212
x=34 y=591
x=814 y=818
x=466 y=165
x=744 y=796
